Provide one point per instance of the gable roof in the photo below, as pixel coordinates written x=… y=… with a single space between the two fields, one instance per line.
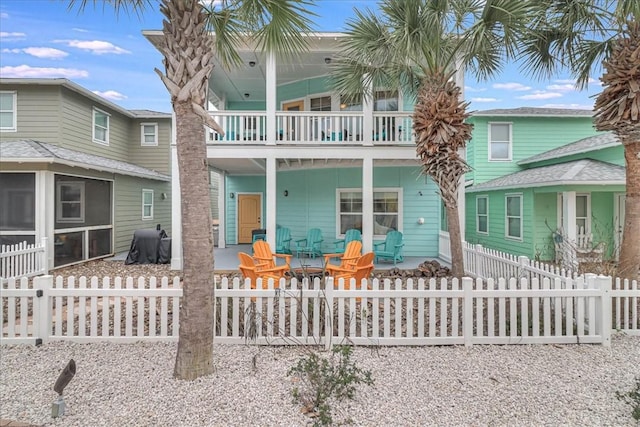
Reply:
x=577 y=172
x=29 y=151
x=534 y=112
x=584 y=145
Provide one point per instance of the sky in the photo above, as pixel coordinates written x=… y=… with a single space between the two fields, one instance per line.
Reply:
x=108 y=55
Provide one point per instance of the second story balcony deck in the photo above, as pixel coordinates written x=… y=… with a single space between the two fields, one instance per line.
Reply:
x=314 y=128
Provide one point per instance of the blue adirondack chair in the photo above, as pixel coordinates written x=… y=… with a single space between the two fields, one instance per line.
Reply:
x=391 y=248
x=283 y=240
x=311 y=245
x=349 y=235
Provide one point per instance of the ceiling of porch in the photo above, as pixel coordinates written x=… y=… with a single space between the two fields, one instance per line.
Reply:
x=238 y=166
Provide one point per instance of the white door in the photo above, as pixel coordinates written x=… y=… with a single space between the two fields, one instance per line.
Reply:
x=618 y=220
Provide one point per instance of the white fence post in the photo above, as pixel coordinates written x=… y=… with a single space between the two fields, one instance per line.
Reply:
x=328 y=314
x=43 y=257
x=477 y=261
x=603 y=308
x=467 y=288
x=524 y=264
x=42 y=307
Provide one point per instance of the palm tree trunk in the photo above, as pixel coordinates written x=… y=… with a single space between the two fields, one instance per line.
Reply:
x=629 y=265
x=455 y=240
x=195 y=347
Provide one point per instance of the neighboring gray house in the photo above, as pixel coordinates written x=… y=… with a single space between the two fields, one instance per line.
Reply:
x=79 y=169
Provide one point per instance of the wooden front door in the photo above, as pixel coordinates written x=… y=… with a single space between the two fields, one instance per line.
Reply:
x=249 y=216
x=293 y=125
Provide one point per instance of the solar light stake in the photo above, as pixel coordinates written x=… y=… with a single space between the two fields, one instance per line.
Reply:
x=57 y=409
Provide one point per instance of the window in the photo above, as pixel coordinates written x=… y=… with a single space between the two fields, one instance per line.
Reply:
x=100 y=127
x=513 y=212
x=70 y=201
x=8 y=106
x=320 y=104
x=147 y=204
x=583 y=216
x=148 y=134
x=386 y=210
x=499 y=141
x=385 y=100
x=482 y=214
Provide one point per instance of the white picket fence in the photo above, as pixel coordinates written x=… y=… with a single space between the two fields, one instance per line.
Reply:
x=23 y=259
x=433 y=312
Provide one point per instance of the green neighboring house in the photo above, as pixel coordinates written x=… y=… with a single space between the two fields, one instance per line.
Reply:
x=538 y=170
x=79 y=170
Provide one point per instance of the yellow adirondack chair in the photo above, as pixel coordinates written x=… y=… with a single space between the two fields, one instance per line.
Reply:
x=266 y=259
x=348 y=259
x=362 y=270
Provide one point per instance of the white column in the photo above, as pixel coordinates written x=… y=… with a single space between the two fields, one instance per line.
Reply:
x=176 y=203
x=569 y=215
x=270 y=223
x=367 y=204
x=222 y=212
x=45 y=218
x=271 y=83
x=367 y=111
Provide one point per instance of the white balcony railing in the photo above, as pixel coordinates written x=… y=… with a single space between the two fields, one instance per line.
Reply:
x=313 y=127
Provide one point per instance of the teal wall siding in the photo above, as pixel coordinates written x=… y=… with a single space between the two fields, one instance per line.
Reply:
x=311 y=202
x=613 y=155
x=602 y=216
x=302 y=88
x=247 y=106
x=530 y=136
x=545 y=221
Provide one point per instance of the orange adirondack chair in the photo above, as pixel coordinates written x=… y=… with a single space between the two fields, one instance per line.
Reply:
x=362 y=270
x=266 y=259
x=348 y=259
x=249 y=270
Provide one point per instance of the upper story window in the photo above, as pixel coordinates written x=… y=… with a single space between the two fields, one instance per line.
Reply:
x=70 y=201
x=147 y=204
x=387 y=210
x=500 y=141
x=513 y=212
x=320 y=104
x=385 y=100
x=8 y=111
x=100 y=126
x=482 y=214
x=149 y=134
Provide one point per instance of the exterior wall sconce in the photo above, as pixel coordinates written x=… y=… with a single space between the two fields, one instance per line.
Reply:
x=419 y=192
x=246 y=95
x=163 y=196
x=420 y=221
x=232 y=195
x=252 y=63
x=327 y=60
x=286 y=193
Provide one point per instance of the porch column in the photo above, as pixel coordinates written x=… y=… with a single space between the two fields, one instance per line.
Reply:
x=270 y=223
x=569 y=215
x=45 y=218
x=367 y=112
x=271 y=98
x=176 y=202
x=222 y=211
x=367 y=204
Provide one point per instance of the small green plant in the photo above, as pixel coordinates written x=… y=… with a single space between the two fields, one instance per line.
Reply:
x=320 y=379
x=632 y=398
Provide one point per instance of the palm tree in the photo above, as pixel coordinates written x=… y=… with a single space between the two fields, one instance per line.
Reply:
x=276 y=26
x=581 y=35
x=418 y=46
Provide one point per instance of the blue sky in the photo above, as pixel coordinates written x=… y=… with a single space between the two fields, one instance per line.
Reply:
x=109 y=56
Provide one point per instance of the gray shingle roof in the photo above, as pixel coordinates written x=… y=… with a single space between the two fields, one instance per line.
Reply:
x=580 y=172
x=532 y=111
x=592 y=143
x=35 y=151
x=150 y=114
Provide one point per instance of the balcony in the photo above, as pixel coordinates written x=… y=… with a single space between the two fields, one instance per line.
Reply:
x=314 y=128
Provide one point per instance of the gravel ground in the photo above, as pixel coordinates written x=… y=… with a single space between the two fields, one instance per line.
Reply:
x=132 y=385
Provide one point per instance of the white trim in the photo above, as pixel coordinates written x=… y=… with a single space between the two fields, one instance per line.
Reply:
x=543 y=184
x=143 y=141
x=506 y=217
x=14 y=124
x=510 y=142
x=94 y=124
x=486 y=197
x=59 y=201
x=400 y=213
x=144 y=192
x=560 y=213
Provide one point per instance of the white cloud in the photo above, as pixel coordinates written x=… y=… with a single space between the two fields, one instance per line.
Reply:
x=97 y=47
x=569 y=106
x=26 y=71
x=473 y=89
x=45 y=52
x=485 y=99
x=566 y=87
x=511 y=86
x=11 y=50
x=539 y=94
x=111 y=94
x=80 y=30
x=4 y=15
x=11 y=36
